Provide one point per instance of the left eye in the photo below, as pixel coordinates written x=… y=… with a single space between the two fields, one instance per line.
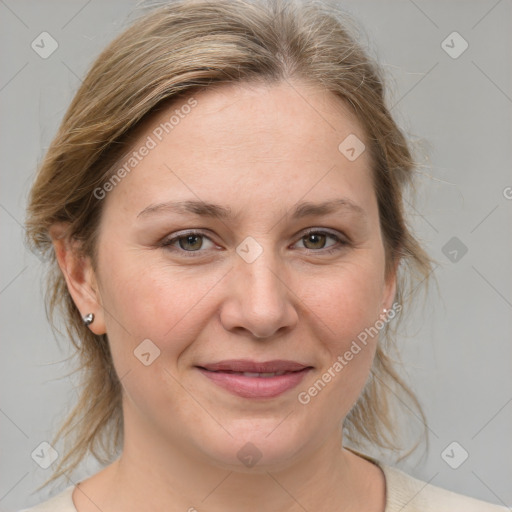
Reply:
x=317 y=238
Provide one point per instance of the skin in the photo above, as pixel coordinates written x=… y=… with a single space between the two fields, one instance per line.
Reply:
x=257 y=150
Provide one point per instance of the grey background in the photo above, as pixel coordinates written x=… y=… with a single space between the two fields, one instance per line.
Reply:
x=458 y=354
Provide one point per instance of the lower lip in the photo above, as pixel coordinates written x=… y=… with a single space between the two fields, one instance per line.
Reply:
x=255 y=387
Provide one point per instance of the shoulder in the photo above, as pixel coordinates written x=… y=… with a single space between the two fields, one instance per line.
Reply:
x=62 y=502
x=408 y=494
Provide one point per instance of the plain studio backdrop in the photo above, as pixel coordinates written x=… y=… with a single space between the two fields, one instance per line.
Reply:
x=449 y=68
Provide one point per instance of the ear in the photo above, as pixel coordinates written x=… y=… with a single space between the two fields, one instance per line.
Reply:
x=390 y=286
x=79 y=274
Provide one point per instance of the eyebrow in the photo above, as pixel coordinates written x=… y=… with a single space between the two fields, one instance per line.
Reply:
x=204 y=209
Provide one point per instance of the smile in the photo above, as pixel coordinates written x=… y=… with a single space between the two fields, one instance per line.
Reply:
x=248 y=384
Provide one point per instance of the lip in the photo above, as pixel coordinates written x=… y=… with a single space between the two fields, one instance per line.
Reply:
x=246 y=365
x=253 y=386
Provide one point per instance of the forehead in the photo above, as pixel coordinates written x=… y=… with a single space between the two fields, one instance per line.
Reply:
x=243 y=141
x=256 y=112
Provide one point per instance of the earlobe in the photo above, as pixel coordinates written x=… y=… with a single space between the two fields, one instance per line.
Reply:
x=79 y=275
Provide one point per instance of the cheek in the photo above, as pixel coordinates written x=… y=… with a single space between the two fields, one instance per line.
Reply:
x=164 y=304
x=347 y=308
x=161 y=304
x=347 y=301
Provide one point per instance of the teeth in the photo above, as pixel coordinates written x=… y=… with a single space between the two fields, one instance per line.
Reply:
x=272 y=374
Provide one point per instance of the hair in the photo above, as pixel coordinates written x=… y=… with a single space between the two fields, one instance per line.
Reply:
x=167 y=54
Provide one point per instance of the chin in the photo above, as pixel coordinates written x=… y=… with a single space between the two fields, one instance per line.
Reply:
x=256 y=449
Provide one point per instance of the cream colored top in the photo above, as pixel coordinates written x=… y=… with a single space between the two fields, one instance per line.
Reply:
x=403 y=494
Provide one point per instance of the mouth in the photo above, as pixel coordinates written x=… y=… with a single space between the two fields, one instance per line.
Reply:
x=250 y=379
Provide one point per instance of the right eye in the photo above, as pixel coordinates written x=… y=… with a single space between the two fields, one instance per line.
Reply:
x=188 y=242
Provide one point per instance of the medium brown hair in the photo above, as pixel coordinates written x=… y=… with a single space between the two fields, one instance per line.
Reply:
x=168 y=54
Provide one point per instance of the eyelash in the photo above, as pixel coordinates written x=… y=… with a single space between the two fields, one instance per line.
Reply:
x=340 y=243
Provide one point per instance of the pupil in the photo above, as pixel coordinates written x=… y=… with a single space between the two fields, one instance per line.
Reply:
x=319 y=239
x=189 y=241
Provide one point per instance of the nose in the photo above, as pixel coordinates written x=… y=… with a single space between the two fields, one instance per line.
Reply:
x=259 y=300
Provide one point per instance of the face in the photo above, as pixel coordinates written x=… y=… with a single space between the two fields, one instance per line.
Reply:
x=266 y=274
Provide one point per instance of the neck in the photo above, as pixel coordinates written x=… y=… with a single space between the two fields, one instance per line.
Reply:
x=156 y=474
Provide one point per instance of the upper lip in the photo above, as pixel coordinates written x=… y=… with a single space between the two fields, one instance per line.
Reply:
x=246 y=365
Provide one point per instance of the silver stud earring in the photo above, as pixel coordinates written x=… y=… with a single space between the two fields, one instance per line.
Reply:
x=88 y=319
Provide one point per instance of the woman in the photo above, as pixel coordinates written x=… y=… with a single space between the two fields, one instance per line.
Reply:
x=223 y=209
